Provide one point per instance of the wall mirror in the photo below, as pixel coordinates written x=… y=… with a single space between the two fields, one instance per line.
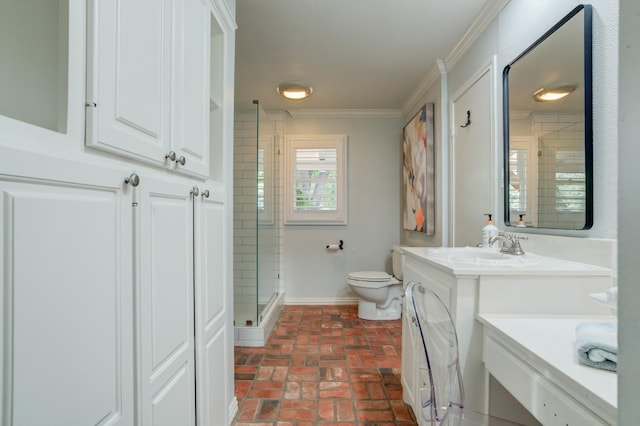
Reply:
x=548 y=157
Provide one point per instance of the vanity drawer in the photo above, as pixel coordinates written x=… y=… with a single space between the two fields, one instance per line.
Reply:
x=549 y=404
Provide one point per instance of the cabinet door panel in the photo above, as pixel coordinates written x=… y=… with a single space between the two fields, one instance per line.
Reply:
x=165 y=301
x=214 y=356
x=191 y=85
x=216 y=377
x=213 y=258
x=170 y=404
x=129 y=78
x=67 y=308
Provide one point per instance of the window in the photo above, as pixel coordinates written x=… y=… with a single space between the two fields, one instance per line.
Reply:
x=316 y=187
x=265 y=181
x=523 y=186
x=518 y=180
x=570 y=181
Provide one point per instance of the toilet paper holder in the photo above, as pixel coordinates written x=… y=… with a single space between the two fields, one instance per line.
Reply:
x=333 y=246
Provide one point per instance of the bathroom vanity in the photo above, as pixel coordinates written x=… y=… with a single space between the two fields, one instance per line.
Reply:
x=534 y=358
x=475 y=282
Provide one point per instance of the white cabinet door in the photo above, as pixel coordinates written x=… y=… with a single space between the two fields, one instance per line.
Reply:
x=66 y=299
x=214 y=344
x=190 y=75
x=409 y=358
x=165 y=303
x=129 y=78
x=148 y=90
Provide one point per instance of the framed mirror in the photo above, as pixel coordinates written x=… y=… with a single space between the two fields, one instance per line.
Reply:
x=548 y=136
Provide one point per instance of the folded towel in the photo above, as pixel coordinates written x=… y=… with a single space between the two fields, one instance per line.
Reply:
x=597 y=345
x=609 y=298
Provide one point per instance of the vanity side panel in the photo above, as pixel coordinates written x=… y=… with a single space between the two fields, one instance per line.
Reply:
x=469 y=331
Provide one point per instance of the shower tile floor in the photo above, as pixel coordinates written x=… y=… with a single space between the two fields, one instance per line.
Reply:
x=322 y=365
x=243 y=313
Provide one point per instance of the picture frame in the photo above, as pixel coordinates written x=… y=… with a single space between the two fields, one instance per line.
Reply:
x=418 y=172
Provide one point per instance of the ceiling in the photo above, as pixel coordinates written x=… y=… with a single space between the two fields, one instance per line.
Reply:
x=356 y=54
x=556 y=61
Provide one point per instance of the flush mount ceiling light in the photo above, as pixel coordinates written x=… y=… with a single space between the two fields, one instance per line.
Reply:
x=294 y=90
x=554 y=93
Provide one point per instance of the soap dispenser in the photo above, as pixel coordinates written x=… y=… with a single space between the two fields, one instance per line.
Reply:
x=521 y=221
x=489 y=230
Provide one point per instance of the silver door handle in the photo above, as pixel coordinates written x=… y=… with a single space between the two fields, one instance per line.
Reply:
x=171 y=156
x=181 y=160
x=195 y=191
x=205 y=193
x=133 y=180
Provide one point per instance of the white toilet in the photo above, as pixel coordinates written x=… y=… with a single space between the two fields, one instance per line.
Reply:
x=380 y=293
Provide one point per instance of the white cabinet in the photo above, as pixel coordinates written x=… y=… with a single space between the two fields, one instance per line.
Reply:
x=215 y=364
x=115 y=299
x=409 y=359
x=190 y=117
x=458 y=294
x=148 y=82
x=165 y=303
x=182 y=304
x=66 y=293
x=129 y=78
x=108 y=306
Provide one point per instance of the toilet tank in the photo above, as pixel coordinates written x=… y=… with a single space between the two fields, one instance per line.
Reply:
x=397 y=261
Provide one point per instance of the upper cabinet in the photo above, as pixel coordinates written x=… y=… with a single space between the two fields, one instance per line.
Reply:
x=148 y=81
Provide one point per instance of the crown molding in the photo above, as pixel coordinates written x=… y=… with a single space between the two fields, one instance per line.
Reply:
x=484 y=19
x=225 y=16
x=424 y=86
x=344 y=113
x=487 y=15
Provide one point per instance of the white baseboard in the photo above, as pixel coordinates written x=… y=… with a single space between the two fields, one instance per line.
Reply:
x=321 y=301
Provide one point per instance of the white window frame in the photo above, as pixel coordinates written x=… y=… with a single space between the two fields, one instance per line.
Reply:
x=325 y=217
x=530 y=145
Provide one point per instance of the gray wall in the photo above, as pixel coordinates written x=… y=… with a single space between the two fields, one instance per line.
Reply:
x=314 y=275
x=629 y=207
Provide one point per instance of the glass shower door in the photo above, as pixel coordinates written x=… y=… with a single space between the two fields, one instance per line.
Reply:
x=268 y=252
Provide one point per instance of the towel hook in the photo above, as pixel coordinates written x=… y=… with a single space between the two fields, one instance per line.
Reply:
x=468 y=120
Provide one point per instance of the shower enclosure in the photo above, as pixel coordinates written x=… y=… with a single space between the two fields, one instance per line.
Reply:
x=256 y=228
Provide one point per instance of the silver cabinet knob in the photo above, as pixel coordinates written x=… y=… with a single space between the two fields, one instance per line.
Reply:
x=205 y=193
x=171 y=156
x=195 y=191
x=133 y=180
x=181 y=160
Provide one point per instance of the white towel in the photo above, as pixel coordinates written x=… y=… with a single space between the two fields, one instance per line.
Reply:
x=597 y=344
x=609 y=298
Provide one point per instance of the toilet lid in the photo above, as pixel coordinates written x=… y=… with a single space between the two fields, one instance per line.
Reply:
x=373 y=276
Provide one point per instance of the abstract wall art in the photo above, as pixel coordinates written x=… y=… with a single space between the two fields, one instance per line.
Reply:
x=418 y=172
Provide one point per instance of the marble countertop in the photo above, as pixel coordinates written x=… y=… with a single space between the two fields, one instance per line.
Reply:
x=486 y=261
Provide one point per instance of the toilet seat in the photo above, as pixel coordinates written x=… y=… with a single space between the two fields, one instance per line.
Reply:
x=371 y=279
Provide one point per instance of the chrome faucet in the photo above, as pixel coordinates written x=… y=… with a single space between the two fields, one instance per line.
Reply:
x=510 y=242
